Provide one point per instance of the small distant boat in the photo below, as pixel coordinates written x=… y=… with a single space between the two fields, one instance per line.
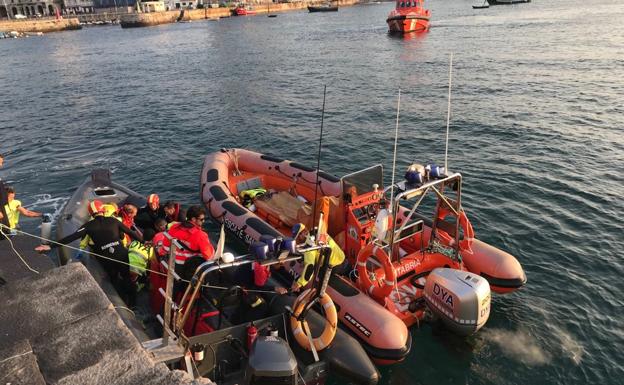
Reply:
x=269 y=14
x=408 y=16
x=323 y=8
x=504 y=2
x=481 y=6
x=244 y=10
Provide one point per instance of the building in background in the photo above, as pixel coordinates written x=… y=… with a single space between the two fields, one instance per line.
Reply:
x=75 y=7
x=9 y=9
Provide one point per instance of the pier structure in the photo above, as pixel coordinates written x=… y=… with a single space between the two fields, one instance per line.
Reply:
x=58 y=327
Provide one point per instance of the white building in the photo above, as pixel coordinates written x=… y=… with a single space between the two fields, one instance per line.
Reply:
x=29 y=8
x=72 y=7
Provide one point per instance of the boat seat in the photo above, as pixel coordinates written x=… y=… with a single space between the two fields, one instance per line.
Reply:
x=248 y=184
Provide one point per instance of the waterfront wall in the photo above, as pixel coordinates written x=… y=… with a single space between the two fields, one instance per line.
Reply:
x=40 y=25
x=155 y=18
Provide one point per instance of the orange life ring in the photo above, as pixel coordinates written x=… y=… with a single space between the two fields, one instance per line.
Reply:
x=466 y=242
x=298 y=327
x=377 y=290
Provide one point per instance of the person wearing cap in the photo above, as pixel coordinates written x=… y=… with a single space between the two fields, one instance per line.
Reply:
x=311 y=258
x=107 y=234
x=13 y=208
x=147 y=215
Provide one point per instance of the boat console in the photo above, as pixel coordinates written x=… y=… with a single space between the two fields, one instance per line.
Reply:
x=362 y=198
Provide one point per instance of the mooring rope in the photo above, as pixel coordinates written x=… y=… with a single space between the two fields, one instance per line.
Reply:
x=2 y=233
x=124 y=263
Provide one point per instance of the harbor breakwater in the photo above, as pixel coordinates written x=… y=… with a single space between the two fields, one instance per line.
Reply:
x=155 y=18
x=40 y=25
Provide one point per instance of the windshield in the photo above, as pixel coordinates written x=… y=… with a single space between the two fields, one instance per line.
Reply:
x=364 y=180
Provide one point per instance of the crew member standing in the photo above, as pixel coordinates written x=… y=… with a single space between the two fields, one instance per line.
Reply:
x=106 y=234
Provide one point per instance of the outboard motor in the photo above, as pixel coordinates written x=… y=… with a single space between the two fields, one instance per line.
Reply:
x=271 y=362
x=459 y=298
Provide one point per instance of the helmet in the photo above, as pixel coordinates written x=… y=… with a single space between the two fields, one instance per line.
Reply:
x=297 y=229
x=153 y=199
x=96 y=207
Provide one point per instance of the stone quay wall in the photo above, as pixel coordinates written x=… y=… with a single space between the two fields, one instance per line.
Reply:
x=40 y=25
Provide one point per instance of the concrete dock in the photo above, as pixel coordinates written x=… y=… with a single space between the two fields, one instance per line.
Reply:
x=58 y=327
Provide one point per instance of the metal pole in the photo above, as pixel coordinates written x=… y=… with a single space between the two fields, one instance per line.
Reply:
x=169 y=291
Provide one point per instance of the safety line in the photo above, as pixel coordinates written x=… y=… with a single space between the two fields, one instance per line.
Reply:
x=128 y=264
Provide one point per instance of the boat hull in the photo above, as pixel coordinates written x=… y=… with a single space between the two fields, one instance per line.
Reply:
x=505 y=2
x=75 y=214
x=407 y=23
x=322 y=9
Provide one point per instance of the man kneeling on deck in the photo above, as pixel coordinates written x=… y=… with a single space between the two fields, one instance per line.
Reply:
x=311 y=258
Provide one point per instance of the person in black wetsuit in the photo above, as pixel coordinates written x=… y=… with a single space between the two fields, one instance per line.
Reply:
x=148 y=215
x=106 y=234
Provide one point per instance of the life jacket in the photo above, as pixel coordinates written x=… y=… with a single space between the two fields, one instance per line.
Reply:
x=158 y=242
x=192 y=239
x=139 y=256
x=310 y=259
x=247 y=196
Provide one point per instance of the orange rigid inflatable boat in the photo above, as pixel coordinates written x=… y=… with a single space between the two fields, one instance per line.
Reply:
x=405 y=268
x=229 y=172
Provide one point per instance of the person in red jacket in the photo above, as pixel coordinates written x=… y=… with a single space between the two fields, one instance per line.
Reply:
x=193 y=239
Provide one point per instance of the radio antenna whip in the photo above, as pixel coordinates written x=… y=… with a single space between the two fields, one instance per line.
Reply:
x=448 y=114
x=396 y=138
x=318 y=164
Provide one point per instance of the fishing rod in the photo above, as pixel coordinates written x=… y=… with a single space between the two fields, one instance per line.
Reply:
x=448 y=114
x=318 y=163
x=396 y=138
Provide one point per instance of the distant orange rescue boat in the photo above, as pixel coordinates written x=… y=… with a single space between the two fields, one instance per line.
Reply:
x=408 y=16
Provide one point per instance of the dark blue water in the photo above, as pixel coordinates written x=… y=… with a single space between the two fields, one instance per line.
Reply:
x=536 y=129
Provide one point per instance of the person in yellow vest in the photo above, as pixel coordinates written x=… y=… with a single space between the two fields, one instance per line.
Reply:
x=310 y=258
x=14 y=208
x=139 y=256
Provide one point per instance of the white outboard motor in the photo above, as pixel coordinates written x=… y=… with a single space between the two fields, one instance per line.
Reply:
x=459 y=298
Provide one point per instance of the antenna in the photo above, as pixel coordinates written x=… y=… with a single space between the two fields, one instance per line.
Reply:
x=396 y=137
x=318 y=162
x=448 y=115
